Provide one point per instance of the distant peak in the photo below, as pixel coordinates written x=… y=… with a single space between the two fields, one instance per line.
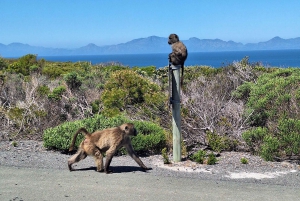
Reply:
x=194 y=38
x=153 y=37
x=276 y=38
x=91 y=45
x=18 y=45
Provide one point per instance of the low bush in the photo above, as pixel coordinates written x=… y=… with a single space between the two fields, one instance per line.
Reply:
x=73 y=80
x=274 y=96
x=126 y=88
x=211 y=159
x=150 y=138
x=24 y=64
x=273 y=107
x=148 y=70
x=3 y=64
x=217 y=143
x=57 y=69
x=199 y=156
x=244 y=160
x=57 y=93
x=277 y=145
x=43 y=90
x=254 y=138
x=165 y=156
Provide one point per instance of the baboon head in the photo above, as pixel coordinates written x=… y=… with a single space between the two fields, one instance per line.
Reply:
x=129 y=129
x=173 y=38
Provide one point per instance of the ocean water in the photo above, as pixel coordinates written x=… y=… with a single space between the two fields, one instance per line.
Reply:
x=271 y=58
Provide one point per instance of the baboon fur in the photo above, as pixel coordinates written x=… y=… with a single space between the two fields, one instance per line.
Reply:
x=106 y=141
x=179 y=53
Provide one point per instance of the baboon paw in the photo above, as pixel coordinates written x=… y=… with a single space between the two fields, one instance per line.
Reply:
x=109 y=172
x=102 y=170
x=70 y=168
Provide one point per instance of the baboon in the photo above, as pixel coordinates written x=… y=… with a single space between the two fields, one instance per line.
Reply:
x=179 y=53
x=106 y=141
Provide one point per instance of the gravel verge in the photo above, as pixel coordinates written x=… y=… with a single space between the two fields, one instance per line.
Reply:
x=33 y=154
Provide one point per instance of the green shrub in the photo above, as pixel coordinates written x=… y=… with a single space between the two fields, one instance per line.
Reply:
x=244 y=160
x=56 y=69
x=14 y=144
x=243 y=91
x=270 y=98
x=23 y=64
x=57 y=93
x=269 y=148
x=95 y=106
x=114 y=68
x=212 y=159
x=289 y=135
x=216 y=142
x=150 y=138
x=278 y=144
x=273 y=105
x=34 y=68
x=165 y=156
x=199 y=156
x=3 y=64
x=148 y=70
x=73 y=80
x=43 y=90
x=254 y=138
x=127 y=88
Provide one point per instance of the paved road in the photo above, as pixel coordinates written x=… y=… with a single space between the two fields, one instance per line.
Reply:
x=54 y=184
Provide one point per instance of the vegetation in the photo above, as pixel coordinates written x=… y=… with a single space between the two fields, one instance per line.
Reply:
x=165 y=156
x=150 y=138
x=211 y=160
x=244 y=160
x=241 y=106
x=199 y=156
x=274 y=104
x=126 y=88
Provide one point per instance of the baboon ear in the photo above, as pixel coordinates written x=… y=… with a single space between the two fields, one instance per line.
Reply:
x=126 y=127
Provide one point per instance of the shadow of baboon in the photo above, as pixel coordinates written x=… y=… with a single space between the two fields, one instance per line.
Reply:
x=117 y=169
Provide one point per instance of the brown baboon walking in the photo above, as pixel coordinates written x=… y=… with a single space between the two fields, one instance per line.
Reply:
x=106 y=141
x=179 y=53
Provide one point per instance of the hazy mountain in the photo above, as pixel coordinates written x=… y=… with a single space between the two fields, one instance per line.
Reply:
x=275 y=43
x=152 y=44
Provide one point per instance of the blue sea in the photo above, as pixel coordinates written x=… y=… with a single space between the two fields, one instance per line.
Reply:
x=269 y=58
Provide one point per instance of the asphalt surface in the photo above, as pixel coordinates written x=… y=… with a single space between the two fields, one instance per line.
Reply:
x=23 y=183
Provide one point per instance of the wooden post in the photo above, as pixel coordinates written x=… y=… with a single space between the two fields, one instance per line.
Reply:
x=176 y=116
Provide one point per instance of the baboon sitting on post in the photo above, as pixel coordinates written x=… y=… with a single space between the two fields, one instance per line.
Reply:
x=106 y=141
x=179 y=53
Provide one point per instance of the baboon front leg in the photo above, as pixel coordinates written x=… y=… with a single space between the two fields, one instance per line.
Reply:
x=135 y=157
x=80 y=155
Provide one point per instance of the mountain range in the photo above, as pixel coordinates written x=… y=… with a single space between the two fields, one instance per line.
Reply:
x=151 y=44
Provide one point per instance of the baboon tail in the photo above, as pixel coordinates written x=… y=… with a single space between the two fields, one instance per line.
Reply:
x=83 y=130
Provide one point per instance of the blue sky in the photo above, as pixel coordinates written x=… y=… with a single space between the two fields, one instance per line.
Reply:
x=75 y=23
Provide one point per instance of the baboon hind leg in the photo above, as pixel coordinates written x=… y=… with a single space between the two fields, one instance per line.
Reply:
x=80 y=155
x=109 y=155
x=99 y=161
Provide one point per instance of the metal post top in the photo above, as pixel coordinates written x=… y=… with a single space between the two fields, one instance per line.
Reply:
x=175 y=67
